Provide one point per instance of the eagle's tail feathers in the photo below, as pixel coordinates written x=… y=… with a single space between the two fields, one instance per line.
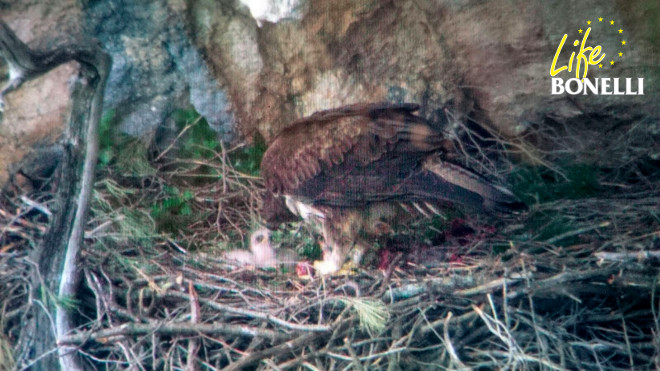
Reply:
x=405 y=207
x=420 y=208
x=424 y=209
x=432 y=207
x=451 y=183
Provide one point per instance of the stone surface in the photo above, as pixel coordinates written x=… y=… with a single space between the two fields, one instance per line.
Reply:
x=156 y=68
x=504 y=51
x=226 y=34
x=43 y=24
x=35 y=117
x=486 y=60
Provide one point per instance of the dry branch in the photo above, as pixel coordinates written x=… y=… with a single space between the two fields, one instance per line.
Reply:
x=58 y=255
x=129 y=330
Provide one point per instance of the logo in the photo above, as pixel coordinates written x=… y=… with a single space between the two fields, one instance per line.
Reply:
x=596 y=57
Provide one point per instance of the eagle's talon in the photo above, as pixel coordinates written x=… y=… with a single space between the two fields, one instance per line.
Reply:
x=348 y=268
x=324 y=267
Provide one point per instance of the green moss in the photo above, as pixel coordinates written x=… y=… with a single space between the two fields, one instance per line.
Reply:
x=200 y=142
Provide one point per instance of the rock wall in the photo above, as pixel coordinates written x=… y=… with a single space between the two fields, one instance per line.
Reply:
x=489 y=60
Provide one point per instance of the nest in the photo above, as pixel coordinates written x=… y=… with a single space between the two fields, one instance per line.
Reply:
x=571 y=284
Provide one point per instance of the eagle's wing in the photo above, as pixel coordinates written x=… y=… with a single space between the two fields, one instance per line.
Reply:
x=367 y=153
x=355 y=135
x=335 y=168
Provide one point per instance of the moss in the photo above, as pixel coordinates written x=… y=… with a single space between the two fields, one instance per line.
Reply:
x=107 y=149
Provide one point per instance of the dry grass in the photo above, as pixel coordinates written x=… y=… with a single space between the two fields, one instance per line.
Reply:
x=571 y=284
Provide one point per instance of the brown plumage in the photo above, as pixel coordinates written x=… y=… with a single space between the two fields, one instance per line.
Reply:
x=347 y=170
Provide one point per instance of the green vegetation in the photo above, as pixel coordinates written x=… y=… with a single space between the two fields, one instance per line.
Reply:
x=174 y=211
x=130 y=224
x=247 y=160
x=304 y=243
x=106 y=138
x=119 y=151
x=373 y=314
x=549 y=225
x=540 y=184
x=178 y=187
x=199 y=141
x=440 y=223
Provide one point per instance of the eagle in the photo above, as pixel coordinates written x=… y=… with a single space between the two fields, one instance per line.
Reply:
x=352 y=171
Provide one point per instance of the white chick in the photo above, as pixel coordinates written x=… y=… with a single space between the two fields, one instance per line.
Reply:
x=261 y=252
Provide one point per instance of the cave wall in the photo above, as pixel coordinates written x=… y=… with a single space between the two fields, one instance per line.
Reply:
x=488 y=60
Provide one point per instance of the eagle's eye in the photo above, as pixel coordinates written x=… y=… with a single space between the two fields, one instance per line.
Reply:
x=259 y=238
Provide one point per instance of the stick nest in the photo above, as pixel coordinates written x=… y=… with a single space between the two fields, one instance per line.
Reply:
x=572 y=283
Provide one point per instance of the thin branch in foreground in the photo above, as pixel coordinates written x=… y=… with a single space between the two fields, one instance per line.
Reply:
x=172 y=329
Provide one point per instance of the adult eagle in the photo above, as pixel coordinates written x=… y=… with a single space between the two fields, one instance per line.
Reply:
x=350 y=171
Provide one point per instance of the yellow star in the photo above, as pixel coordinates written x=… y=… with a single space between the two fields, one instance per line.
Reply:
x=600 y=65
x=623 y=42
x=620 y=31
x=620 y=54
x=580 y=30
x=600 y=19
x=588 y=22
x=612 y=63
x=611 y=22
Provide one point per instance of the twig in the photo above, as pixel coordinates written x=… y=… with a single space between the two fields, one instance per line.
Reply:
x=289 y=346
x=576 y=232
x=450 y=347
x=184 y=329
x=255 y=314
x=639 y=256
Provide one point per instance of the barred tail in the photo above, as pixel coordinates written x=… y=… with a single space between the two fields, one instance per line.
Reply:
x=447 y=182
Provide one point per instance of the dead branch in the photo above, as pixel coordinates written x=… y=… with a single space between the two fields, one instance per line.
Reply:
x=58 y=254
x=171 y=329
